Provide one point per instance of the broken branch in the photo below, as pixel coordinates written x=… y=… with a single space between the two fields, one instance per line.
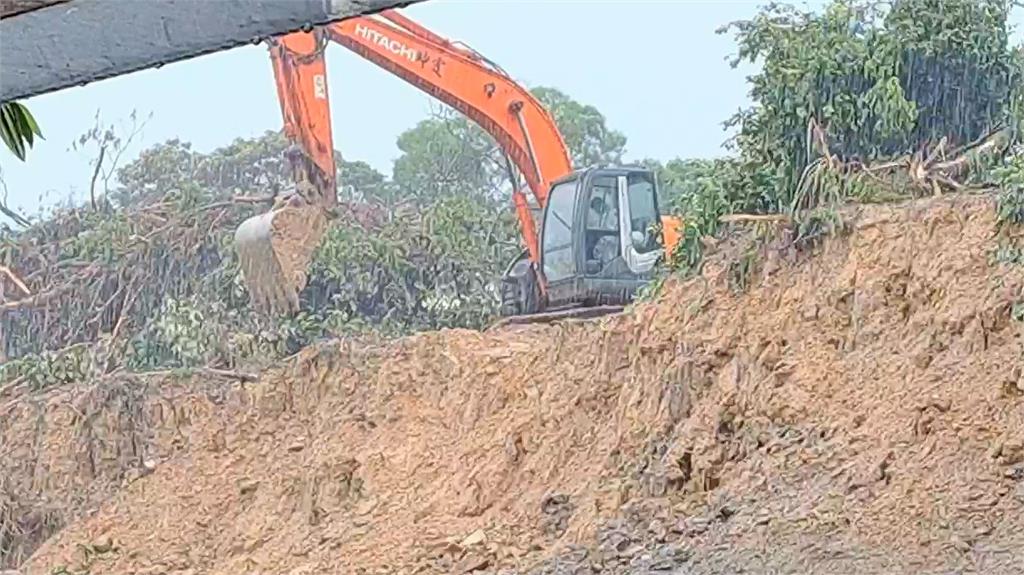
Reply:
x=15 y=280
x=46 y=296
x=221 y=373
x=730 y=218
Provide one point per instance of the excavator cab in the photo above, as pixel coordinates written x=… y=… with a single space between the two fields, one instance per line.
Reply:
x=600 y=239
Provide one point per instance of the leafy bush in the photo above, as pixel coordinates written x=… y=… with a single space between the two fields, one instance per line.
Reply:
x=879 y=83
x=859 y=83
x=150 y=271
x=49 y=368
x=1011 y=183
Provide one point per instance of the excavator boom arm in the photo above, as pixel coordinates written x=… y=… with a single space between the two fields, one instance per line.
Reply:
x=467 y=82
x=300 y=73
x=453 y=74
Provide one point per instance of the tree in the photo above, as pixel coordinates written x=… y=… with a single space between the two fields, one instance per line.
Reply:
x=448 y=155
x=584 y=129
x=861 y=84
x=359 y=181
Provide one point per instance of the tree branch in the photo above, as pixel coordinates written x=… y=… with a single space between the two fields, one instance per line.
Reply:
x=9 y=212
x=43 y=297
x=96 y=174
x=222 y=373
x=15 y=280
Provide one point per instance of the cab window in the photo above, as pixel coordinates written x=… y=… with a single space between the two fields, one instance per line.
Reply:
x=556 y=247
x=601 y=242
x=643 y=213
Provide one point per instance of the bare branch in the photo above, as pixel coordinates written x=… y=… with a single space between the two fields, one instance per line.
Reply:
x=95 y=174
x=135 y=131
x=43 y=297
x=732 y=218
x=14 y=216
x=15 y=280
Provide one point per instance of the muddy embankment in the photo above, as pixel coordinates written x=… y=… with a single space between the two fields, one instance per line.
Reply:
x=859 y=408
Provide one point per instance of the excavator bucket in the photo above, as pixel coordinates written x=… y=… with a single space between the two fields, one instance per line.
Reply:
x=276 y=248
x=274 y=252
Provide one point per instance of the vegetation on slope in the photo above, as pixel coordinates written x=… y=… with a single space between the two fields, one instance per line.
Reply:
x=858 y=102
x=866 y=101
x=148 y=277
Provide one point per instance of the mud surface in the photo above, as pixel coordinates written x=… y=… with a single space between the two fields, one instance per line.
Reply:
x=859 y=409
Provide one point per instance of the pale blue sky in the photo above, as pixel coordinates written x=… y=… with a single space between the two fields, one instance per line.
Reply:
x=584 y=47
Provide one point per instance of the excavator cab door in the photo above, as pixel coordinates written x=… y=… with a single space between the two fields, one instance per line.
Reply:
x=640 y=235
x=600 y=240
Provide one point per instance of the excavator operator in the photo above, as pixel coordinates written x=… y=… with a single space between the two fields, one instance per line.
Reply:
x=603 y=226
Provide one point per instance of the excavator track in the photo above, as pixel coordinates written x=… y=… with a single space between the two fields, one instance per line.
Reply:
x=576 y=313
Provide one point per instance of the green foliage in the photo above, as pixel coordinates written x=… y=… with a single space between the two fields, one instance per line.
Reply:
x=703 y=190
x=359 y=182
x=446 y=155
x=150 y=278
x=1010 y=176
x=422 y=269
x=181 y=329
x=700 y=192
x=880 y=84
x=253 y=167
x=1009 y=253
x=49 y=369
x=1017 y=312
x=589 y=139
x=879 y=81
x=18 y=128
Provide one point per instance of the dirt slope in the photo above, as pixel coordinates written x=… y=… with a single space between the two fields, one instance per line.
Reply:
x=858 y=410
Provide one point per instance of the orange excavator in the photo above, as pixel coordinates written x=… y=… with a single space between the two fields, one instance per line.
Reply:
x=592 y=236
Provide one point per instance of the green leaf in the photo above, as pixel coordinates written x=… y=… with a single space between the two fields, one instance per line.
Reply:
x=26 y=123
x=31 y=122
x=18 y=128
x=23 y=126
x=10 y=132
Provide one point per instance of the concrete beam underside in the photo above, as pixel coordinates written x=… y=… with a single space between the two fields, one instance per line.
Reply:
x=75 y=42
x=15 y=7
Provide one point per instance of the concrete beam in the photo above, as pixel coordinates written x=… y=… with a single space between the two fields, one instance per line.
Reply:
x=80 y=41
x=15 y=7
